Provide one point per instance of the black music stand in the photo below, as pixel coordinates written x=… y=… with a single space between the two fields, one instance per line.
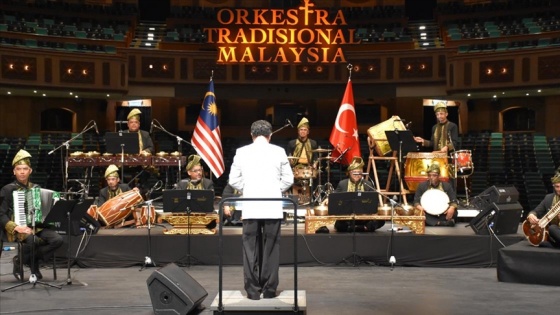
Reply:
x=70 y=213
x=353 y=203
x=49 y=216
x=188 y=201
x=122 y=143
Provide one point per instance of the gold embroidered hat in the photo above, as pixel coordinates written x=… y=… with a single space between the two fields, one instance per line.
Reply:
x=22 y=157
x=112 y=170
x=135 y=113
x=434 y=168
x=192 y=161
x=357 y=163
x=556 y=178
x=304 y=122
x=440 y=107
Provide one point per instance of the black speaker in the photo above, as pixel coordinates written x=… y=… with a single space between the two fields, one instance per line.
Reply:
x=502 y=218
x=500 y=194
x=173 y=291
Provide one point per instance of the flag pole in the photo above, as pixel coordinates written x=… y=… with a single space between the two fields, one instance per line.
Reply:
x=349 y=67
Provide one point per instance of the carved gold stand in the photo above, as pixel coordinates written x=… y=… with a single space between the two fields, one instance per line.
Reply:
x=198 y=223
x=417 y=223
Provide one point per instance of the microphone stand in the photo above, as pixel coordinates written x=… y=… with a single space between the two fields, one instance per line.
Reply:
x=148 y=259
x=33 y=277
x=179 y=146
x=286 y=125
x=66 y=144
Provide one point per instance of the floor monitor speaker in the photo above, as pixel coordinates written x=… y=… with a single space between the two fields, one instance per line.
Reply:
x=502 y=218
x=173 y=291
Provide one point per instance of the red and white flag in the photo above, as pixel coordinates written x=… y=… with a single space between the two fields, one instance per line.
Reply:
x=344 y=135
x=206 y=139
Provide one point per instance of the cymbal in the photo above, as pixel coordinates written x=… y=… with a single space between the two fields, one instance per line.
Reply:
x=321 y=150
x=325 y=158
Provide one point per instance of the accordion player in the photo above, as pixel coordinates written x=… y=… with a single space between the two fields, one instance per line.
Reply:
x=47 y=241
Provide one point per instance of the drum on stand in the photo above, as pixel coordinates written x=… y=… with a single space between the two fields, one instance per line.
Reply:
x=416 y=166
x=115 y=210
x=462 y=159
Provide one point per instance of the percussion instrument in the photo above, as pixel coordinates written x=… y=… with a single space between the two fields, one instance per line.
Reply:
x=405 y=210
x=321 y=150
x=463 y=160
x=417 y=164
x=302 y=189
x=116 y=209
x=304 y=172
x=92 y=212
x=321 y=210
x=378 y=136
x=434 y=201
x=141 y=215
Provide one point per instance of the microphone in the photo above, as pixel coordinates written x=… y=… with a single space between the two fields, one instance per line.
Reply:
x=152 y=127
x=408 y=124
x=289 y=123
x=95 y=125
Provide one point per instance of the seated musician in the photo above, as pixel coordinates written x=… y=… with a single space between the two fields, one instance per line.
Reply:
x=449 y=216
x=543 y=208
x=232 y=213
x=47 y=241
x=355 y=182
x=114 y=187
x=146 y=144
x=196 y=180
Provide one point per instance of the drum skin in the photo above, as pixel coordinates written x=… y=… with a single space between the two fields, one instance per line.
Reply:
x=417 y=164
x=118 y=208
x=434 y=201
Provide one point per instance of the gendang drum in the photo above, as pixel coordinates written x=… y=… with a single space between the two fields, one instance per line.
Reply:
x=417 y=164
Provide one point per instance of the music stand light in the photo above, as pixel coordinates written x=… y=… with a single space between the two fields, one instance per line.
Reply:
x=353 y=203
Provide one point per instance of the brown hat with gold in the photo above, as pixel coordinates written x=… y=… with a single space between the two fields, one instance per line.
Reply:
x=440 y=106
x=192 y=161
x=304 y=122
x=22 y=157
x=357 y=163
x=434 y=168
x=556 y=178
x=112 y=171
x=135 y=113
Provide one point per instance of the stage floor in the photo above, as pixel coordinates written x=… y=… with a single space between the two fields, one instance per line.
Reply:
x=455 y=246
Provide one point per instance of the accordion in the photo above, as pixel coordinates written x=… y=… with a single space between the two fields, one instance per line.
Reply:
x=34 y=202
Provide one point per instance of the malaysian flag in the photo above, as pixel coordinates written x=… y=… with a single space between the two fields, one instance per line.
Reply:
x=206 y=136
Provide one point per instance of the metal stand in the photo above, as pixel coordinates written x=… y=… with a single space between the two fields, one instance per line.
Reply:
x=32 y=277
x=189 y=256
x=148 y=262
x=180 y=140
x=353 y=258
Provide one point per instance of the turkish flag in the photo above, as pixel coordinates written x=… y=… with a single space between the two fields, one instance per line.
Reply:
x=344 y=135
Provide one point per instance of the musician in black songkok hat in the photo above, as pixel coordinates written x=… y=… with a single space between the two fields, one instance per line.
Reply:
x=549 y=204
x=47 y=240
x=449 y=215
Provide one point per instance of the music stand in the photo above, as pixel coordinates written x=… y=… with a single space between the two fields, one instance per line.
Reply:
x=122 y=143
x=189 y=201
x=353 y=203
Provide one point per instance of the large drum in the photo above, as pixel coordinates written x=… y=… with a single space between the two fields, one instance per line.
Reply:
x=434 y=201
x=417 y=164
x=115 y=210
x=141 y=215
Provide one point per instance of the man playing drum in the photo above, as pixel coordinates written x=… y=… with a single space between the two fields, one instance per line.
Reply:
x=441 y=132
x=303 y=161
x=114 y=187
x=436 y=199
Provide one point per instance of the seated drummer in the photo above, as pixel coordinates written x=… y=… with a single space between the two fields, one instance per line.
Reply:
x=355 y=182
x=196 y=180
x=114 y=187
x=449 y=216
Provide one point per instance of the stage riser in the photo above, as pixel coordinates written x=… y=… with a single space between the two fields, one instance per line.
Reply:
x=318 y=249
x=523 y=263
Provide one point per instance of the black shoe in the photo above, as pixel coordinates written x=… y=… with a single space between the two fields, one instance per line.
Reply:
x=253 y=297
x=269 y=295
x=36 y=270
x=17 y=268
